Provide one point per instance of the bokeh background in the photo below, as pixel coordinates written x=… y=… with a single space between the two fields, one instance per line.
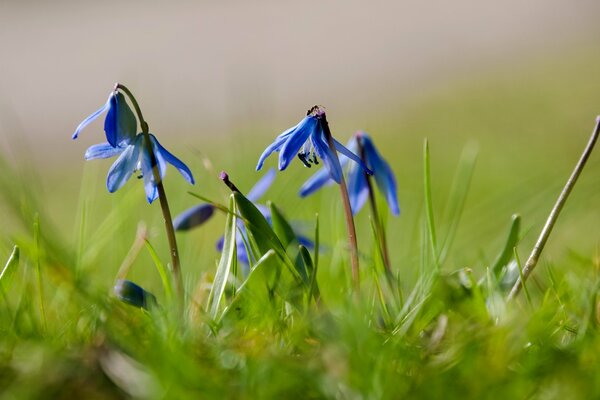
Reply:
x=519 y=81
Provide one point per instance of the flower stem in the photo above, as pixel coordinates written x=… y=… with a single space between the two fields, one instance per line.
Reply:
x=382 y=239
x=560 y=202
x=347 y=209
x=164 y=204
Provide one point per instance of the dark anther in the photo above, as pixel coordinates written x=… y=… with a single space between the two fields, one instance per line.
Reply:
x=302 y=158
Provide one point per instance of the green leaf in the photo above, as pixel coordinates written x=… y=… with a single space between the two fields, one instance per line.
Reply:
x=255 y=296
x=228 y=259
x=282 y=228
x=262 y=233
x=289 y=241
x=507 y=251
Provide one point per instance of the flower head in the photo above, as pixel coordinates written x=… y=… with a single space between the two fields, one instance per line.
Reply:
x=358 y=187
x=309 y=141
x=134 y=156
x=120 y=123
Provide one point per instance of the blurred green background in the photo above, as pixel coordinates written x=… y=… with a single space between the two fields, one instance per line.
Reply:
x=218 y=81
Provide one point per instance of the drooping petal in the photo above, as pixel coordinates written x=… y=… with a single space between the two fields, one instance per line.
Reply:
x=147 y=173
x=160 y=160
x=315 y=182
x=384 y=177
x=92 y=117
x=328 y=157
x=193 y=217
x=303 y=131
x=171 y=159
x=122 y=169
x=120 y=123
x=261 y=186
x=342 y=149
x=275 y=146
x=358 y=190
x=102 y=150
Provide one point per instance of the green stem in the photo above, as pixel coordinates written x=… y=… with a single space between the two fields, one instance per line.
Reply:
x=560 y=202
x=164 y=204
x=347 y=209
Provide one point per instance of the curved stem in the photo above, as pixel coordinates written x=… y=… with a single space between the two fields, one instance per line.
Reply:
x=560 y=202
x=164 y=204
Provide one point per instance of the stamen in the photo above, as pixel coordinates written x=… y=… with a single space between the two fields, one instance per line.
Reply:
x=302 y=157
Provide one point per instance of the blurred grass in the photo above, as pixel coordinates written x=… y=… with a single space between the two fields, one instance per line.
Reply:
x=530 y=125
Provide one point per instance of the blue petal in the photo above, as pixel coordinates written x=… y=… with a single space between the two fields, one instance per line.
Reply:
x=160 y=160
x=147 y=173
x=122 y=169
x=340 y=147
x=193 y=217
x=304 y=241
x=358 y=190
x=120 y=123
x=328 y=157
x=315 y=182
x=261 y=186
x=102 y=150
x=303 y=131
x=384 y=177
x=171 y=159
x=92 y=117
x=275 y=146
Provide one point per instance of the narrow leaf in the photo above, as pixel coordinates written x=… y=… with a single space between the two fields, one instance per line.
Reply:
x=507 y=251
x=228 y=258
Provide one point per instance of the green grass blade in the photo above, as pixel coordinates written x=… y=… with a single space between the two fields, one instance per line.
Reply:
x=429 y=202
x=228 y=258
x=162 y=271
x=457 y=198
x=9 y=269
x=38 y=268
x=508 y=250
x=520 y=266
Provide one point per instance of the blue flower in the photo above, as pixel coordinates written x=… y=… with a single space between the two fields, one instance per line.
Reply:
x=134 y=156
x=358 y=188
x=309 y=141
x=120 y=123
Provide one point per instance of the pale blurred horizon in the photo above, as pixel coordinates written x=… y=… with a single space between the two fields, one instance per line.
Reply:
x=206 y=68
